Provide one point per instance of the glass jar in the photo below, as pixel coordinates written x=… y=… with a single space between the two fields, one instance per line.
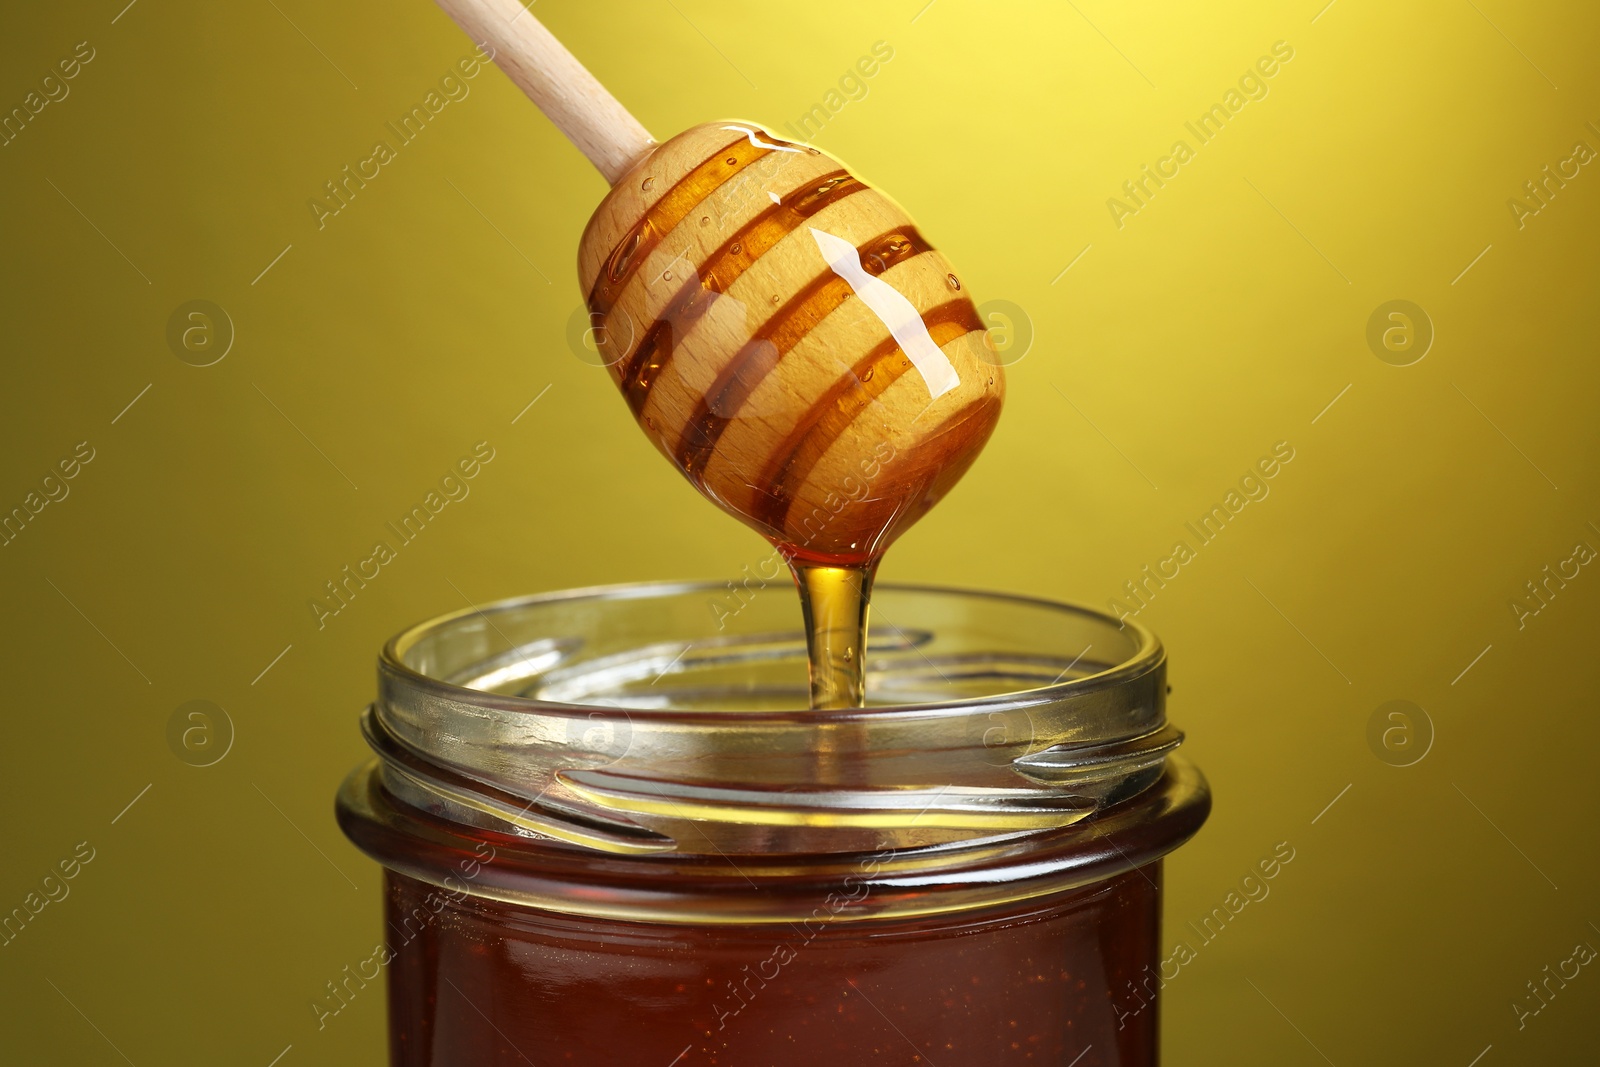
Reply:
x=610 y=837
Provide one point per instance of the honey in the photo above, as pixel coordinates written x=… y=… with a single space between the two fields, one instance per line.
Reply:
x=479 y=985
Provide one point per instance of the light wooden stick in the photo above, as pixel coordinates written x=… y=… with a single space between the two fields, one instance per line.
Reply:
x=593 y=119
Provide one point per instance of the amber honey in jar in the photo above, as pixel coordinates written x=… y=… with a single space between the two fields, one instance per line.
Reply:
x=613 y=834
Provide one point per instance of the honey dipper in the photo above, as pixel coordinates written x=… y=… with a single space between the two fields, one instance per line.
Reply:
x=780 y=329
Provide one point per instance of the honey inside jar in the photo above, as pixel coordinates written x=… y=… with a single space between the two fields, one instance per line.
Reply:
x=1017 y=987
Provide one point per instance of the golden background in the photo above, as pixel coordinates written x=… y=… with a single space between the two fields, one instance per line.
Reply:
x=1224 y=316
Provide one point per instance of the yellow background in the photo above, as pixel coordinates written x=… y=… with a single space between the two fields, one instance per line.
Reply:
x=1221 y=319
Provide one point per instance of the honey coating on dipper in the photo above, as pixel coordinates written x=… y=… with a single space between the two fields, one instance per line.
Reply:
x=789 y=339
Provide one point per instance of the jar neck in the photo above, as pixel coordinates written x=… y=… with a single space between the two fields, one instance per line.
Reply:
x=619 y=732
x=716 y=890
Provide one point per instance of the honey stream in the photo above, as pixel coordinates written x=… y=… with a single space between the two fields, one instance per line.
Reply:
x=835 y=602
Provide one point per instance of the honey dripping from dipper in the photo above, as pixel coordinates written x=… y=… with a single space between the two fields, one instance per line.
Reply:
x=795 y=346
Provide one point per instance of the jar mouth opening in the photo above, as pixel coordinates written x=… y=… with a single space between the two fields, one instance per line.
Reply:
x=1141 y=652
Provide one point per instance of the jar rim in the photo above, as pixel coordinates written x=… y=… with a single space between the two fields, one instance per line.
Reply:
x=1148 y=654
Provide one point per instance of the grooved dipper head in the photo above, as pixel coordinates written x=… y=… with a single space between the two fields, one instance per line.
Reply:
x=786 y=337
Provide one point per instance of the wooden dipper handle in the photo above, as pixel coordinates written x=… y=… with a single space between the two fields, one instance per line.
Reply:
x=604 y=131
